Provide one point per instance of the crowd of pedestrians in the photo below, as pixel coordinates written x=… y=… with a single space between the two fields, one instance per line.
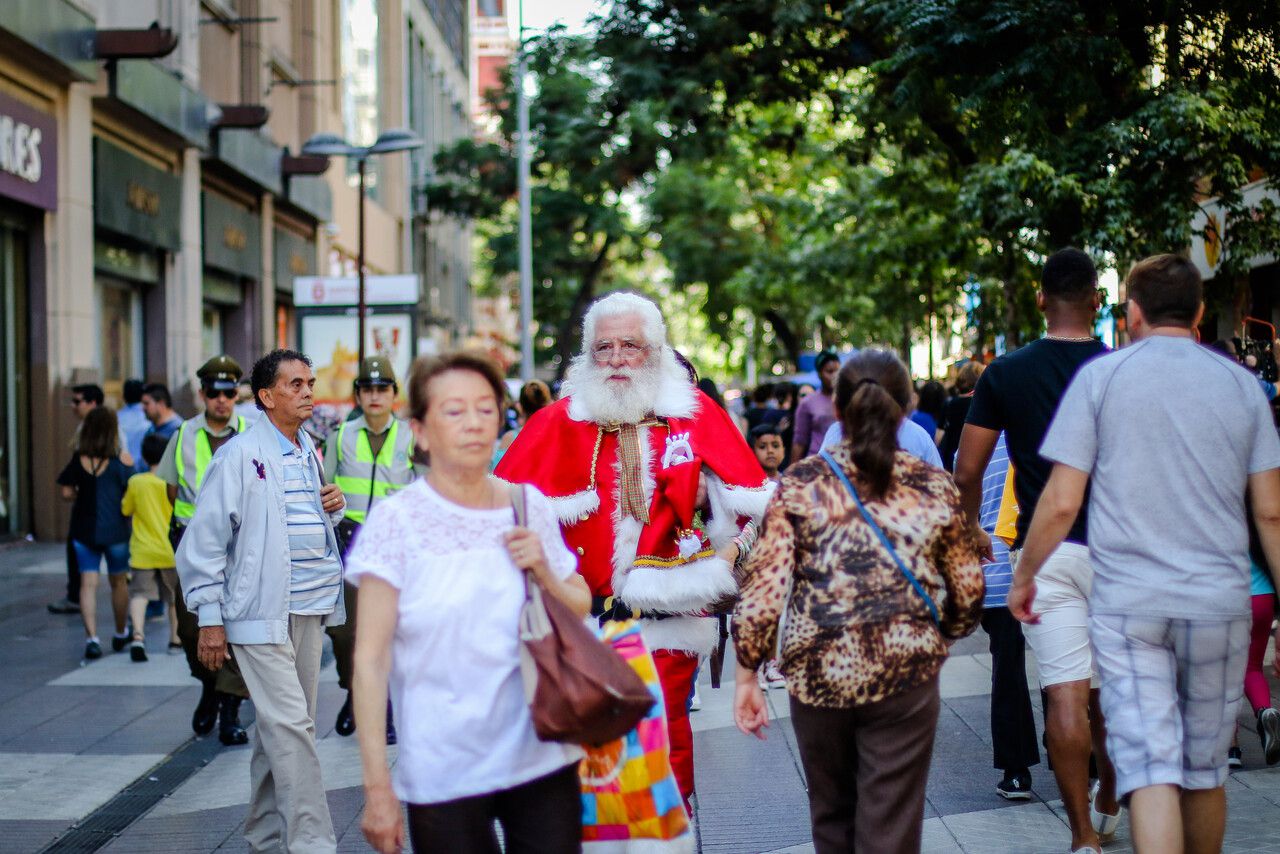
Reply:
x=848 y=531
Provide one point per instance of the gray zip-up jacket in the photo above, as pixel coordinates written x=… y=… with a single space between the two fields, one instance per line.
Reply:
x=233 y=562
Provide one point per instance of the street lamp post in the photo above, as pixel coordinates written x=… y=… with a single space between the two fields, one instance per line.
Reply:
x=332 y=145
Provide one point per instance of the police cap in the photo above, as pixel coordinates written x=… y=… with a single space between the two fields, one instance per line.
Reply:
x=376 y=370
x=221 y=373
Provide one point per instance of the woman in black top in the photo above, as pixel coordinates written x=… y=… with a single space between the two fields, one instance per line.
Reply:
x=957 y=410
x=95 y=479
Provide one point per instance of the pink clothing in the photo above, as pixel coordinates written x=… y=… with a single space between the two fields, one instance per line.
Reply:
x=1255 y=683
x=813 y=416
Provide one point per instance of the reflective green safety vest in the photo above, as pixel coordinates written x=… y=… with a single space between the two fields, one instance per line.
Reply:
x=192 y=458
x=363 y=479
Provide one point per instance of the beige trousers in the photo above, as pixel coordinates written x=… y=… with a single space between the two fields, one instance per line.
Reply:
x=288 y=810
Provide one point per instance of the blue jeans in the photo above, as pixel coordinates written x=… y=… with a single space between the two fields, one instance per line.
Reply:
x=90 y=558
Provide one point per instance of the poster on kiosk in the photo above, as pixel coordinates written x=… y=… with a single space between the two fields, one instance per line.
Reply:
x=328 y=329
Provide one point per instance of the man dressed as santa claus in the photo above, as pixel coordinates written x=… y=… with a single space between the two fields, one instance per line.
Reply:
x=655 y=489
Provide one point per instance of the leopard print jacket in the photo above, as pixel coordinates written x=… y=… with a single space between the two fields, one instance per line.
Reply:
x=856 y=632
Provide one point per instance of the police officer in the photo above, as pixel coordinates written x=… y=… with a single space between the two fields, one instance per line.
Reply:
x=369 y=457
x=183 y=466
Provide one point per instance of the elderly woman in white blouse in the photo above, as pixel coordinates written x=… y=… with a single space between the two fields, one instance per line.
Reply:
x=440 y=566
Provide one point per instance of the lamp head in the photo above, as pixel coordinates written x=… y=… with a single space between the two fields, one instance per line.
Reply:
x=397 y=139
x=330 y=145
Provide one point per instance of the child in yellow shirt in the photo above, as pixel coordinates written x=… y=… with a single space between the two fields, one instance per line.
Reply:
x=151 y=560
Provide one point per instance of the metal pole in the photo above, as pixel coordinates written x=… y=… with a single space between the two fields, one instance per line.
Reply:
x=360 y=265
x=526 y=216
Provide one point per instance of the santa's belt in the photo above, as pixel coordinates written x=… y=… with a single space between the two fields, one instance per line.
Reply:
x=607 y=608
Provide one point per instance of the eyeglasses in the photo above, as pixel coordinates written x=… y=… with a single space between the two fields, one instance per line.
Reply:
x=228 y=393
x=603 y=351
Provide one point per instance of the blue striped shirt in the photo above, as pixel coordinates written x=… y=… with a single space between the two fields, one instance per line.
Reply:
x=315 y=574
x=998 y=573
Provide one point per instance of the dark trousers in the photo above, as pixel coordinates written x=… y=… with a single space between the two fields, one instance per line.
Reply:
x=543 y=816
x=227 y=679
x=73 y=573
x=1013 y=729
x=867 y=768
x=344 y=638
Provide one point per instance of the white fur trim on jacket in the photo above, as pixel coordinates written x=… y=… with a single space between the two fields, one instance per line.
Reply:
x=686 y=634
x=728 y=503
x=570 y=509
x=685 y=587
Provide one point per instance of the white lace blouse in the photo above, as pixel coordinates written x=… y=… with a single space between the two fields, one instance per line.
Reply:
x=463 y=723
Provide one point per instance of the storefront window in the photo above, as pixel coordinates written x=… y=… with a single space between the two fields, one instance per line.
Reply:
x=121 y=330
x=13 y=371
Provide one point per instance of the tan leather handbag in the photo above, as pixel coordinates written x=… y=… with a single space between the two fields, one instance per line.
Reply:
x=579 y=690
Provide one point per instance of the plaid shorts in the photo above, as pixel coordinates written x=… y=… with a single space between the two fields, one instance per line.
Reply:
x=1170 y=693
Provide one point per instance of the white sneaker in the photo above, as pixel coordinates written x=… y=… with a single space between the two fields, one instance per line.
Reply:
x=1105 y=824
x=773 y=676
x=696 y=703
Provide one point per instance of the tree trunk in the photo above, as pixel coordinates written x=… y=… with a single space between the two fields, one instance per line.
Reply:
x=785 y=334
x=566 y=340
x=1009 y=284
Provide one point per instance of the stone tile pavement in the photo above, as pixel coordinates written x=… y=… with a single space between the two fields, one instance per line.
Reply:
x=74 y=735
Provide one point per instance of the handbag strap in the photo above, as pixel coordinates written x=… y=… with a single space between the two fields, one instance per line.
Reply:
x=519 y=509
x=879 y=532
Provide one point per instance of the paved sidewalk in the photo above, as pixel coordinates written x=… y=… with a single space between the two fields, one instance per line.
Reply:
x=75 y=735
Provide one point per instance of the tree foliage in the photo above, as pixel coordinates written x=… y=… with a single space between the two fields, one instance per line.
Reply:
x=840 y=170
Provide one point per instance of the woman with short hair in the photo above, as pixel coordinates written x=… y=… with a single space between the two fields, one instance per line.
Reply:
x=441 y=567
x=872 y=608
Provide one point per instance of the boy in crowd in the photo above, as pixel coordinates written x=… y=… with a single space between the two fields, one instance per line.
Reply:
x=1169 y=612
x=150 y=555
x=766 y=442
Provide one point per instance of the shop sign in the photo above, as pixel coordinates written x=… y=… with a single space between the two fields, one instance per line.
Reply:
x=232 y=237
x=127 y=262
x=294 y=256
x=28 y=154
x=1209 y=228
x=344 y=290
x=133 y=198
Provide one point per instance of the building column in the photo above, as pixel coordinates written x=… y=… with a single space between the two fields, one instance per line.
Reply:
x=186 y=291
x=267 y=297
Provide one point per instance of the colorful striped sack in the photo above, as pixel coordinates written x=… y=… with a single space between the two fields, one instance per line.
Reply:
x=630 y=801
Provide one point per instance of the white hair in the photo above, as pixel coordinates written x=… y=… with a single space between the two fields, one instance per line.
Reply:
x=660 y=385
x=622 y=304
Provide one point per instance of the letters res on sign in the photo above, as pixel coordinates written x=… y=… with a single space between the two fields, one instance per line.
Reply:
x=20 y=149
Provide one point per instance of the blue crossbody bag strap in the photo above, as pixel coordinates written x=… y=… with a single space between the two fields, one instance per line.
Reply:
x=884 y=540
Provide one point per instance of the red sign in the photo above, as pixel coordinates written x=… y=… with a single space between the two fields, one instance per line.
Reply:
x=28 y=154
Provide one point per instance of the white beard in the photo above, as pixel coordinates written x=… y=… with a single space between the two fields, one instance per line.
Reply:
x=607 y=401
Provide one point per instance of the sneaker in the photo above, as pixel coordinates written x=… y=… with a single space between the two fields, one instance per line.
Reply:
x=1235 y=759
x=137 y=651
x=1269 y=732
x=1105 y=824
x=175 y=648
x=774 y=676
x=1016 y=786
x=63 y=606
x=119 y=642
x=695 y=702
x=92 y=649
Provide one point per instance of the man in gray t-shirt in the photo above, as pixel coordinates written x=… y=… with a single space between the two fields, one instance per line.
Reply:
x=1171 y=436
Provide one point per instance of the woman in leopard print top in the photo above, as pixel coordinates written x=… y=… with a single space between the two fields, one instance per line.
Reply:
x=861 y=652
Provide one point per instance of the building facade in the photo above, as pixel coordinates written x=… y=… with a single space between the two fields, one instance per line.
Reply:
x=155 y=209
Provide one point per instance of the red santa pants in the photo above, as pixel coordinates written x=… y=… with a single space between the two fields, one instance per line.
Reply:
x=676 y=670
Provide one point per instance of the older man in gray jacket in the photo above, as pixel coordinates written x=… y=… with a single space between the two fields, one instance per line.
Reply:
x=261 y=568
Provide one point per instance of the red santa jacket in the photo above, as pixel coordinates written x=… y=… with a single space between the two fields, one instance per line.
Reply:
x=668 y=565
